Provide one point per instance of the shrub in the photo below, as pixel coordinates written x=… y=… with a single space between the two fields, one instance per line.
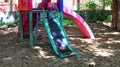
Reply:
x=91 y=5
x=93 y=16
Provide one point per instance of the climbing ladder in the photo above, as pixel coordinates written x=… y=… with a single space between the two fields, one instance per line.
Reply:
x=38 y=30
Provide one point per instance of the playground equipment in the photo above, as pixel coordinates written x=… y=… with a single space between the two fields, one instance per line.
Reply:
x=51 y=15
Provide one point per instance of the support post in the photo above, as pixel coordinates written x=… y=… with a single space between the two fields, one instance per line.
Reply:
x=60 y=5
x=30 y=29
x=21 y=26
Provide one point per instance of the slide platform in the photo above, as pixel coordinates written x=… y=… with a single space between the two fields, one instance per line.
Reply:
x=80 y=22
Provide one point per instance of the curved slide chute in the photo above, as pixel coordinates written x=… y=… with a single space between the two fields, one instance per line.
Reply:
x=80 y=22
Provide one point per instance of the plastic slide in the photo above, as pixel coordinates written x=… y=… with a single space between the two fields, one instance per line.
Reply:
x=80 y=22
x=58 y=37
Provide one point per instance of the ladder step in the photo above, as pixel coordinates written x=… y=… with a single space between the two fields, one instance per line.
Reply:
x=70 y=53
x=26 y=36
x=41 y=25
x=41 y=30
x=44 y=37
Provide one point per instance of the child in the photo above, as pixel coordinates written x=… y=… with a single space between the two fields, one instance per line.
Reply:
x=57 y=35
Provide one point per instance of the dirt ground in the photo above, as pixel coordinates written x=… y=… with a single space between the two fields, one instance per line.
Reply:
x=103 y=51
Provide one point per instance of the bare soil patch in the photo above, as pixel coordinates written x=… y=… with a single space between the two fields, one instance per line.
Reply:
x=104 y=50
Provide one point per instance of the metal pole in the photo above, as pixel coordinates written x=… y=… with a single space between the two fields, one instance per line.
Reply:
x=21 y=26
x=30 y=28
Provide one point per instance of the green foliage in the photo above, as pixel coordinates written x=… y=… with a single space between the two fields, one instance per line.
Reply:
x=109 y=18
x=93 y=16
x=68 y=22
x=107 y=3
x=2 y=23
x=8 y=23
x=91 y=5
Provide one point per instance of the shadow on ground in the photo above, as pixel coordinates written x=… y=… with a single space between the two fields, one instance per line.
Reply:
x=103 y=51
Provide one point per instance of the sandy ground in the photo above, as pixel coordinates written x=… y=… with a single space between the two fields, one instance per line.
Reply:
x=103 y=51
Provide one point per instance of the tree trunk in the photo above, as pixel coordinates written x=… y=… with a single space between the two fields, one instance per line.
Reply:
x=78 y=6
x=118 y=27
x=116 y=14
x=103 y=2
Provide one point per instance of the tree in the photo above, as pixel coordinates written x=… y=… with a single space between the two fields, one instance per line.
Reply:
x=78 y=7
x=116 y=14
x=91 y=5
x=105 y=3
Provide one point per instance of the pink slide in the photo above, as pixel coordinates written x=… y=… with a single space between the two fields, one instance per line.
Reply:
x=80 y=22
